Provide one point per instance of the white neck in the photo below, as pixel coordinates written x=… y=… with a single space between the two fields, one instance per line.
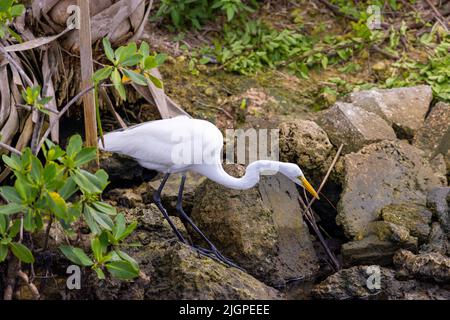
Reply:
x=217 y=174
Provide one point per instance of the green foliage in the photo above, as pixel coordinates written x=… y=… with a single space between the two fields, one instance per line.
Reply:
x=195 y=13
x=9 y=9
x=32 y=97
x=255 y=45
x=62 y=191
x=434 y=72
x=129 y=64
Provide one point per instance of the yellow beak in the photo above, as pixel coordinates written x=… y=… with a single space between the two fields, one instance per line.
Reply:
x=309 y=187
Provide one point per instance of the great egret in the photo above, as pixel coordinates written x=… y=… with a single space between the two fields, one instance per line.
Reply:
x=182 y=144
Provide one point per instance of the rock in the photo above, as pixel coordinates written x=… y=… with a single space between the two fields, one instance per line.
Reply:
x=353 y=283
x=153 y=227
x=126 y=198
x=261 y=229
x=379 y=175
x=178 y=273
x=404 y=108
x=439 y=202
x=305 y=143
x=415 y=218
x=428 y=266
x=361 y=282
x=434 y=136
x=372 y=249
x=354 y=127
x=437 y=241
x=123 y=171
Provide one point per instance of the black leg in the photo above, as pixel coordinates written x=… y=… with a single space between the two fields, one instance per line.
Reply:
x=157 y=200
x=212 y=252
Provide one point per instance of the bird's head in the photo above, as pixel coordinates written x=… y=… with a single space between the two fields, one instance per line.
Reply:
x=294 y=173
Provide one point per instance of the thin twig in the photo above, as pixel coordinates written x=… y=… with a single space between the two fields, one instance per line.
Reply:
x=64 y=110
x=10 y=149
x=16 y=66
x=28 y=108
x=324 y=181
x=441 y=19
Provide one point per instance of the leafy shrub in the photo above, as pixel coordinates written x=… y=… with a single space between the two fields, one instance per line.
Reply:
x=196 y=12
x=9 y=9
x=61 y=191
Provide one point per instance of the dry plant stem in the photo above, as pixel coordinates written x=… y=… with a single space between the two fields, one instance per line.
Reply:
x=312 y=221
x=16 y=66
x=325 y=179
x=13 y=265
x=439 y=17
x=65 y=109
x=47 y=233
x=10 y=149
x=34 y=290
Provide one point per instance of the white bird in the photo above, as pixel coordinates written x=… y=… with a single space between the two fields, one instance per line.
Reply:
x=182 y=144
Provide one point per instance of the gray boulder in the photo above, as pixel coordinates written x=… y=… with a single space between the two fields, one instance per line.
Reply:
x=439 y=202
x=415 y=218
x=379 y=175
x=404 y=108
x=434 y=136
x=261 y=229
x=305 y=143
x=428 y=266
x=354 y=127
x=362 y=282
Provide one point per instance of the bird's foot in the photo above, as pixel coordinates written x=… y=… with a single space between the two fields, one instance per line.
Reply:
x=217 y=256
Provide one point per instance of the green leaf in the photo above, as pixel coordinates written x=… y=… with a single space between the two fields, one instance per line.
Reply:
x=131 y=61
x=17 y=10
x=68 y=189
x=124 y=256
x=10 y=194
x=15 y=228
x=144 y=49
x=127 y=231
x=11 y=208
x=28 y=222
x=21 y=252
x=97 y=249
x=87 y=213
x=160 y=59
x=119 y=226
x=122 y=270
x=3 y=224
x=117 y=81
x=108 y=49
x=37 y=170
x=57 y=205
x=157 y=82
x=87 y=181
x=76 y=255
x=13 y=162
x=86 y=155
x=3 y=252
x=135 y=77
x=100 y=273
x=5 y=5
x=150 y=63
x=103 y=220
x=105 y=208
x=75 y=145
x=102 y=74
x=123 y=53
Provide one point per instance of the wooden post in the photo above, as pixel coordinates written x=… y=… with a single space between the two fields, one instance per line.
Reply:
x=87 y=71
